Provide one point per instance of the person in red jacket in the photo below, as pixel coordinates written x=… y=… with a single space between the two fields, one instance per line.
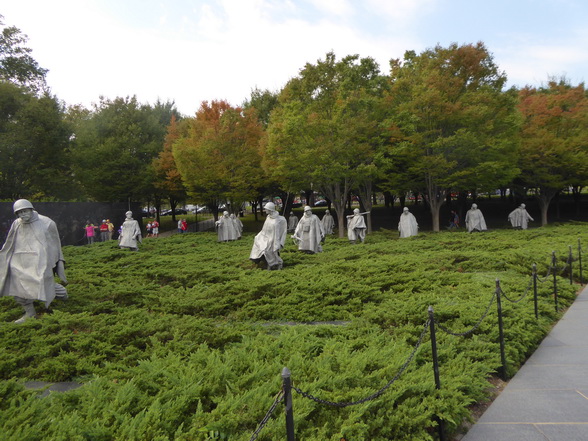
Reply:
x=155 y=228
x=103 y=231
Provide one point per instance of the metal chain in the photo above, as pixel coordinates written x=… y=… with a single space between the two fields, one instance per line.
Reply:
x=548 y=274
x=461 y=334
x=261 y=425
x=379 y=392
x=522 y=297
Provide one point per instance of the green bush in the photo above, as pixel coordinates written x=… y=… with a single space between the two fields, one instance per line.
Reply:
x=186 y=339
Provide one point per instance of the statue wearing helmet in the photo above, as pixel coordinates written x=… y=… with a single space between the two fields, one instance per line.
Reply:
x=29 y=258
x=270 y=240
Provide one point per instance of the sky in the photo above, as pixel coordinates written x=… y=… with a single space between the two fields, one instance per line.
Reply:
x=203 y=50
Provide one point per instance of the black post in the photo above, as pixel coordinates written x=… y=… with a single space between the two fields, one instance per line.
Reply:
x=535 y=290
x=554 y=268
x=502 y=372
x=287 y=385
x=580 y=261
x=440 y=426
x=570 y=260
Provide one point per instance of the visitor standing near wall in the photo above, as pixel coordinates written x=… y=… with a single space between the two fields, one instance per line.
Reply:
x=89 y=228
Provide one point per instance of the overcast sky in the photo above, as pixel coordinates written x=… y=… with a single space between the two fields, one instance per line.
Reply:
x=191 y=51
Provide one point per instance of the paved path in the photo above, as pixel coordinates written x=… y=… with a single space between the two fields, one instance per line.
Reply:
x=547 y=400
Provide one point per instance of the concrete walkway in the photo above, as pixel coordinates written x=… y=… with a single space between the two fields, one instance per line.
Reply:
x=547 y=400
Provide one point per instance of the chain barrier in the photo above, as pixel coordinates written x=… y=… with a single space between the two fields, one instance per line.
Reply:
x=476 y=326
x=379 y=392
x=547 y=276
x=522 y=297
x=261 y=425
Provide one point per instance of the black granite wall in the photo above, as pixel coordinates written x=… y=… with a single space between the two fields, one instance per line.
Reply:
x=71 y=217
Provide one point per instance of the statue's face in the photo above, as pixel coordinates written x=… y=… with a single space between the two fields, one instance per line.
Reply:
x=25 y=214
x=308 y=213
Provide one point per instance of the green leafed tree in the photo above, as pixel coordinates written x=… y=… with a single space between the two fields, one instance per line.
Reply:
x=114 y=148
x=16 y=62
x=34 y=146
x=218 y=156
x=554 y=150
x=451 y=125
x=324 y=133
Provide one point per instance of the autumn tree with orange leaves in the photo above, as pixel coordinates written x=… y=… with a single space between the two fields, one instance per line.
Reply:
x=554 y=150
x=168 y=183
x=218 y=155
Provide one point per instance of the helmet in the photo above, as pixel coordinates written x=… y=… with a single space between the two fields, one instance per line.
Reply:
x=21 y=204
x=356 y=211
x=225 y=213
x=270 y=206
x=523 y=205
x=474 y=206
x=405 y=209
x=307 y=208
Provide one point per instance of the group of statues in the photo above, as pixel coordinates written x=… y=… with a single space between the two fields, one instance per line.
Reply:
x=32 y=256
x=229 y=227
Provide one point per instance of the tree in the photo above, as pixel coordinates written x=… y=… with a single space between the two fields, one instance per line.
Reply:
x=17 y=66
x=451 y=122
x=554 y=150
x=34 y=146
x=263 y=101
x=322 y=134
x=168 y=179
x=219 y=155
x=114 y=149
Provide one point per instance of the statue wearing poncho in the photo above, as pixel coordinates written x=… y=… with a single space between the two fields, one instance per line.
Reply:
x=28 y=259
x=270 y=240
x=292 y=222
x=519 y=218
x=309 y=232
x=130 y=235
x=328 y=223
x=356 y=226
x=407 y=225
x=475 y=219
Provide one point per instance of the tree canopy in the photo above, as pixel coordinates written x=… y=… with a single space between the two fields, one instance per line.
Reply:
x=218 y=155
x=323 y=135
x=16 y=62
x=554 y=151
x=451 y=123
x=114 y=148
x=34 y=146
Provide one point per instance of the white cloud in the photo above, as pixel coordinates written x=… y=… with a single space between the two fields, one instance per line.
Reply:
x=339 y=8
x=403 y=12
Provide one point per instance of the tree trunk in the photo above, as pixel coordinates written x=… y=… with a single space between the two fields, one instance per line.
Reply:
x=364 y=192
x=388 y=199
x=435 y=198
x=173 y=203
x=544 y=198
x=576 y=191
x=337 y=192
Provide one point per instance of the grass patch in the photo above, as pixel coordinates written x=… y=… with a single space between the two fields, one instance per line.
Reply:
x=186 y=336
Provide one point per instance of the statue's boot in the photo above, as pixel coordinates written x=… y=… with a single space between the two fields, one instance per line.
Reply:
x=29 y=313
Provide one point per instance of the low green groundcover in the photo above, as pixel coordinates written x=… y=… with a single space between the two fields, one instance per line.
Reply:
x=186 y=339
